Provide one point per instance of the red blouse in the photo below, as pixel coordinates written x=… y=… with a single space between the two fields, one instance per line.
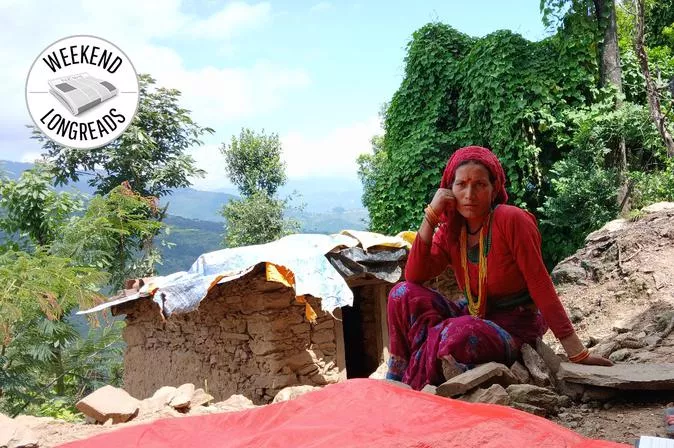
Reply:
x=514 y=264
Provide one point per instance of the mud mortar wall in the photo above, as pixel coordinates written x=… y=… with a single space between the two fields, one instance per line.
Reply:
x=248 y=337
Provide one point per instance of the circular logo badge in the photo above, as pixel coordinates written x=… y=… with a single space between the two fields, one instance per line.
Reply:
x=82 y=92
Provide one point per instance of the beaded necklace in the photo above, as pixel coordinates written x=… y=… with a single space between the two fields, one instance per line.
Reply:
x=476 y=306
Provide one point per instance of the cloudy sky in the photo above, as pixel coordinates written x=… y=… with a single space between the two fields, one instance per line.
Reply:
x=315 y=72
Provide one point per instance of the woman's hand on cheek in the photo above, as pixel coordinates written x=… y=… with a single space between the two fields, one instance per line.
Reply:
x=443 y=200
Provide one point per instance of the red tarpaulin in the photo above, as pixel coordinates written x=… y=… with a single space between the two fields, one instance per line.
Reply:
x=356 y=413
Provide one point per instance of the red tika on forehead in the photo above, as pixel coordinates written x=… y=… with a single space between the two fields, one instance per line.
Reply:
x=486 y=158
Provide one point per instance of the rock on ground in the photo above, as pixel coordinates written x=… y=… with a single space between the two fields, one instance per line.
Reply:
x=183 y=396
x=109 y=402
x=484 y=374
x=495 y=394
x=540 y=374
x=621 y=376
x=290 y=393
x=535 y=396
x=15 y=435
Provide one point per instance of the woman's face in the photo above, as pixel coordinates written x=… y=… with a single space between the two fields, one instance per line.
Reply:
x=473 y=190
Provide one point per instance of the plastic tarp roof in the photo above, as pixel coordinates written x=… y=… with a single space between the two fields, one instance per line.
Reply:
x=301 y=254
x=355 y=413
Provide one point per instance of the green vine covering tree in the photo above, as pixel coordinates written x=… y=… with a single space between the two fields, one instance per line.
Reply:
x=540 y=106
x=499 y=91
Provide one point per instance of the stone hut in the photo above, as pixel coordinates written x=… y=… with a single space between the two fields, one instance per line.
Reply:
x=252 y=336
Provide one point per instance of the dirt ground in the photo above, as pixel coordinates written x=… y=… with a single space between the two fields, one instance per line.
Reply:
x=628 y=294
x=623 y=420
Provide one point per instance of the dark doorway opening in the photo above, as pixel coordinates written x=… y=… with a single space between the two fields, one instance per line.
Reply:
x=361 y=350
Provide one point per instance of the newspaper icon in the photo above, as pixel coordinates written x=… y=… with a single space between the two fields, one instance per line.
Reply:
x=81 y=92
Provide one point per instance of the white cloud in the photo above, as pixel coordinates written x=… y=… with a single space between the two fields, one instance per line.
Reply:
x=322 y=6
x=217 y=95
x=31 y=157
x=232 y=19
x=332 y=154
x=209 y=159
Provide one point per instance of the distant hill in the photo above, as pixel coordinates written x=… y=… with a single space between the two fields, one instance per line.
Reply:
x=185 y=202
x=319 y=195
x=192 y=237
x=197 y=204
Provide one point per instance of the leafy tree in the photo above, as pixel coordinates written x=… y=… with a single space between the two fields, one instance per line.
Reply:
x=563 y=141
x=150 y=155
x=32 y=208
x=35 y=280
x=651 y=88
x=256 y=219
x=659 y=20
x=115 y=234
x=586 y=179
x=49 y=366
x=254 y=165
x=597 y=19
x=373 y=174
x=593 y=19
x=39 y=293
x=42 y=284
x=42 y=355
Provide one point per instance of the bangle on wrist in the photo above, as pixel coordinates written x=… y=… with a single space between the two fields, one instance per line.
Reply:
x=431 y=214
x=432 y=224
x=584 y=354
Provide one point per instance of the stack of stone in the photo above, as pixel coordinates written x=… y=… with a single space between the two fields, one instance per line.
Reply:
x=111 y=405
x=542 y=383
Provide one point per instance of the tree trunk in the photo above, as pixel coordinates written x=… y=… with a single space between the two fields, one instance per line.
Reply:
x=653 y=101
x=611 y=74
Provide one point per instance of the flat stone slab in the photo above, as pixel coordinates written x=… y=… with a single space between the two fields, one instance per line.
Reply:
x=165 y=394
x=430 y=389
x=530 y=408
x=549 y=356
x=487 y=374
x=235 y=403
x=658 y=207
x=109 y=402
x=621 y=376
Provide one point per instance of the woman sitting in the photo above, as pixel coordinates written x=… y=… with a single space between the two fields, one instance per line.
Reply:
x=495 y=252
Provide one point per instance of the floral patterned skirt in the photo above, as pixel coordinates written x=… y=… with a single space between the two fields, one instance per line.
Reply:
x=424 y=328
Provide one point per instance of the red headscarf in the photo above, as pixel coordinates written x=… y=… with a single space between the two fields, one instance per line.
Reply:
x=486 y=158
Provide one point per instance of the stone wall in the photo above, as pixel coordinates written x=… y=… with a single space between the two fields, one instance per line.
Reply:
x=248 y=337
